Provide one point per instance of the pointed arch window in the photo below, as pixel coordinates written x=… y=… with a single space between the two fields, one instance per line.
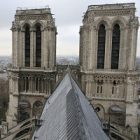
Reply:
x=101 y=47
x=115 y=47
x=38 y=46
x=27 y=46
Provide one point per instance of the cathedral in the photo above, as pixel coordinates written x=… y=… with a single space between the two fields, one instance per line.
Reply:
x=108 y=44
x=106 y=73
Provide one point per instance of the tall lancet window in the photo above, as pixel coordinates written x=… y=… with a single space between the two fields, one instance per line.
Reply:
x=27 y=46
x=115 y=47
x=38 y=46
x=101 y=47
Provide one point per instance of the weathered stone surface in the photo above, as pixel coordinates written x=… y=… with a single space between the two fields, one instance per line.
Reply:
x=31 y=84
x=107 y=87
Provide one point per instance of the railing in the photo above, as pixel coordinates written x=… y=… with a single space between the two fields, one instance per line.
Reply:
x=112 y=6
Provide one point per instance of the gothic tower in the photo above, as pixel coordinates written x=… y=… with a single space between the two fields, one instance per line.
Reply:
x=32 y=74
x=108 y=42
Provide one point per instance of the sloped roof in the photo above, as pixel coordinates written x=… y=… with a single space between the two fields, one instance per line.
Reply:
x=68 y=115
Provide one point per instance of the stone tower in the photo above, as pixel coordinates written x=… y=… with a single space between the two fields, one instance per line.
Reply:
x=32 y=74
x=108 y=42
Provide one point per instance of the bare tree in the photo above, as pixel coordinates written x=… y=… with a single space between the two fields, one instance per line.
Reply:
x=4 y=97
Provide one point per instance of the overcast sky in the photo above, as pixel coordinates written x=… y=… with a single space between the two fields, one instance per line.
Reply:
x=68 y=15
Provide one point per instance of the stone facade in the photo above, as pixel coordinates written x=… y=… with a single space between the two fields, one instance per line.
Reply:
x=32 y=75
x=107 y=72
x=113 y=90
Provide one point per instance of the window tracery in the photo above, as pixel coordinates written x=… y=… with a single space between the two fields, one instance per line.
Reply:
x=115 y=47
x=101 y=47
x=27 y=46
x=38 y=46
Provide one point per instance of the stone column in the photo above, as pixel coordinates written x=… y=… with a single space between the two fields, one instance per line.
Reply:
x=39 y=80
x=95 y=48
x=45 y=86
x=18 y=48
x=54 y=47
x=81 y=47
x=129 y=90
x=21 y=49
x=47 y=89
x=133 y=47
x=15 y=85
x=45 y=48
x=32 y=48
x=108 y=48
x=86 y=48
x=107 y=89
x=131 y=106
x=88 y=89
x=122 y=54
x=42 y=48
x=90 y=50
x=92 y=53
x=34 y=52
x=123 y=48
x=30 y=84
x=12 y=114
x=51 y=42
x=15 y=45
x=51 y=49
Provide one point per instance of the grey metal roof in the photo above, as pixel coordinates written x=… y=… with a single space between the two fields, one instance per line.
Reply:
x=68 y=115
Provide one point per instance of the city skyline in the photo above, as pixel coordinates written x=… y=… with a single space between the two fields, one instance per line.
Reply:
x=68 y=18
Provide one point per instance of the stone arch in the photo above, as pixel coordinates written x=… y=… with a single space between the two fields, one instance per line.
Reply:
x=120 y=21
x=116 y=115
x=22 y=132
x=24 y=24
x=36 y=23
x=37 y=108
x=105 y=21
x=99 y=109
x=24 y=110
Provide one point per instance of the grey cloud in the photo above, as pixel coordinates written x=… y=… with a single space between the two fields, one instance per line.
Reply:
x=68 y=15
